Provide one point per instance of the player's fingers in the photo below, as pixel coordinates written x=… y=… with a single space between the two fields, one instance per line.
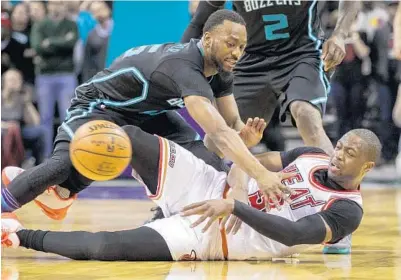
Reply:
x=237 y=226
x=324 y=50
x=255 y=122
x=275 y=200
x=329 y=57
x=249 y=122
x=202 y=218
x=209 y=223
x=260 y=126
x=338 y=57
x=193 y=205
x=268 y=197
x=231 y=223
x=195 y=211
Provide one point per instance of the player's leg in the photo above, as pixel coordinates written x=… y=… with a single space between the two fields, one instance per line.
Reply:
x=140 y=244
x=172 y=126
x=24 y=187
x=306 y=98
x=173 y=176
x=56 y=175
x=253 y=92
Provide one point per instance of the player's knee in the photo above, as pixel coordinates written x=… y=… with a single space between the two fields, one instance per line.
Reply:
x=97 y=247
x=132 y=131
x=305 y=113
x=61 y=159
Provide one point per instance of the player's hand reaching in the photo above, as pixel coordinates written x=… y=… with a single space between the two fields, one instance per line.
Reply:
x=273 y=189
x=252 y=132
x=333 y=52
x=212 y=209
x=234 y=223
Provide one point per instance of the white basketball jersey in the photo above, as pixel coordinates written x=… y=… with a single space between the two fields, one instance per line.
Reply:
x=310 y=198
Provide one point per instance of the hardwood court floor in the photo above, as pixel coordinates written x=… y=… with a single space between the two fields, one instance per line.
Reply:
x=376 y=248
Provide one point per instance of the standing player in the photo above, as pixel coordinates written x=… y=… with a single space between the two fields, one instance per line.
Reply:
x=139 y=88
x=285 y=54
x=326 y=206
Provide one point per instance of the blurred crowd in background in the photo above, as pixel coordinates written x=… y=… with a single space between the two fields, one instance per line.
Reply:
x=48 y=48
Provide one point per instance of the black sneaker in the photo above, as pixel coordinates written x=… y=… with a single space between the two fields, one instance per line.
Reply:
x=157 y=215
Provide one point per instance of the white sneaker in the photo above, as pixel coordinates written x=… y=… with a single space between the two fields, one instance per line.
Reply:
x=9 y=173
x=9 y=226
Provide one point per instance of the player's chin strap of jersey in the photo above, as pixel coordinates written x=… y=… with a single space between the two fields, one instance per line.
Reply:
x=308 y=230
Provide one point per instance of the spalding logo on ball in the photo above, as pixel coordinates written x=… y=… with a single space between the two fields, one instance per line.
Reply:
x=100 y=150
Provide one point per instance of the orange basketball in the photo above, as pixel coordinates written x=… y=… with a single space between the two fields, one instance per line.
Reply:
x=100 y=150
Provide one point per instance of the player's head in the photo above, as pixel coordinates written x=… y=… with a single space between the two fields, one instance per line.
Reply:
x=354 y=155
x=224 y=39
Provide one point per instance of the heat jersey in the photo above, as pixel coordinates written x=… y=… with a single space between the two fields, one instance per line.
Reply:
x=311 y=197
x=184 y=179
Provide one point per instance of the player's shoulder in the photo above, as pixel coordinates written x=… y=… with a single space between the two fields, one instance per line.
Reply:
x=186 y=55
x=310 y=152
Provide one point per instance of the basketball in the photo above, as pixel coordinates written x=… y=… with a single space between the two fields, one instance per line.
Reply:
x=100 y=150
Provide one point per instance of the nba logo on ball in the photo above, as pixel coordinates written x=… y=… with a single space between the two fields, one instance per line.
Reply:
x=100 y=150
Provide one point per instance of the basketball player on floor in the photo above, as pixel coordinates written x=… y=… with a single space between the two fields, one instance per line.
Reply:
x=139 y=88
x=285 y=54
x=326 y=206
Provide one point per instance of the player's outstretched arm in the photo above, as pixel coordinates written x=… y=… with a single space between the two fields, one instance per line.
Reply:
x=231 y=145
x=204 y=10
x=339 y=220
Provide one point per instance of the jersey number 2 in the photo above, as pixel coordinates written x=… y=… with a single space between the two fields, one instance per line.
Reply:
x=274 y=23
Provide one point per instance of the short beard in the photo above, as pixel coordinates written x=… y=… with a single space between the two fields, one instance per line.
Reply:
x=219 y=66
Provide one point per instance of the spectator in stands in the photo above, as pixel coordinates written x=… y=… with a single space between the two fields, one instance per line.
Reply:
x=37 y=11
x=20 y=25
x=12 y=49
x=20 y=19
x=19 y=121
x=97 y=42
x=54 y=39
x=78 y=11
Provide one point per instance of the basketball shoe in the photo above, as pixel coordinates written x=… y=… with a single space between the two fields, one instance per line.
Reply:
x=342 y=247
x=50 y=202
x=9 y=226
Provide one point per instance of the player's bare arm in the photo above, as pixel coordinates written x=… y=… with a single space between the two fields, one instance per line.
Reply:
x=334 y=48
x=397 y=32
x=228 y=109
x=271 y=160
x=251 y=133
x=228 y=141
